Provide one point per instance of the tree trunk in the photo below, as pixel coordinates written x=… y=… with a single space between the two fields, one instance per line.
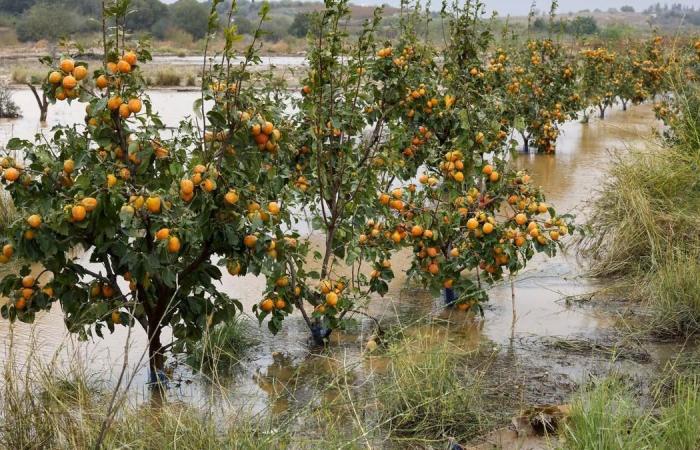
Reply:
x=526 y=143
x=624 y=105
x=602 y=111
x=156 y=360
x=42 y=102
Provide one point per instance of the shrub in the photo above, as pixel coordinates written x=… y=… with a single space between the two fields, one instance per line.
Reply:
x=8 y=108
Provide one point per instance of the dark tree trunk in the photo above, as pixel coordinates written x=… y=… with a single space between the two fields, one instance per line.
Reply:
x=156 y=359
x=42 y=102
x=624 y=105
x=602 y=111
x=526 y=142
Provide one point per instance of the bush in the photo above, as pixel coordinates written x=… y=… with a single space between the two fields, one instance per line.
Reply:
x=425 y=394
x=608 y=416
x=167 y=77
x=223 y=347
x=8 y=108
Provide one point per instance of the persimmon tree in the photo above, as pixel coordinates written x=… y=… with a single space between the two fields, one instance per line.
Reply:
x=472 y=218
x=349 y=103
x=542 y=93
x=151 y=211
x=597 y=72
x=540 y=88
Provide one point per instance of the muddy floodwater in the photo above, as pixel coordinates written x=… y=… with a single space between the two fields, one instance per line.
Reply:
x=268 y=379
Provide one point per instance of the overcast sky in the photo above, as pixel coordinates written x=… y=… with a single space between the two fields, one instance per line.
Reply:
x=520 y=7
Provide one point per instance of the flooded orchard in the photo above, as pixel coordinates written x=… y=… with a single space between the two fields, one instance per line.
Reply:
x=282 y=372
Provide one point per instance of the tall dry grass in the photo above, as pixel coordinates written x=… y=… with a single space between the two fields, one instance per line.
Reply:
x=644 y=223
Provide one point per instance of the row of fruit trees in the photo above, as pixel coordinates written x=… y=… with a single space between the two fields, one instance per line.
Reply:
x=392 y=145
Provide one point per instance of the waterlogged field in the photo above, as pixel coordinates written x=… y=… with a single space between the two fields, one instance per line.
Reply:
x=486 y=241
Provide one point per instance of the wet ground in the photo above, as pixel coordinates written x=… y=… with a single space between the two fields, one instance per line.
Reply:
x=541 y=345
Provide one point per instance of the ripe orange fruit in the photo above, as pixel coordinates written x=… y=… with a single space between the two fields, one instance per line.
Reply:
x=433 y=268
x=520 y=219
x=116 y=317
x=111 y=180
x=261 y=139
x=255 y=129
x=554 y=235
x=78 y=213
x=68 y=166
x=162 y=234
x=161 y=152
x=20 y=304
x=28 y=281
x=29 y=235
x=112 y=67
x=8 y=250
x=153 y=205
x=114 y=102
x=274 y=208
x=209 y=185
x=130 y=57
x=487 y=228
x=384 y=199
x=102 y=82
x=125 y=173
x=267 y=305
x=282 y=282
x=487 y=170
x=199 y=168
x=231 y=197
x=134 y=105
x=186 y=197
x=186 y=186
x=69 y=82
x=494 y=176
x=267 y=128
x=11 y=174
x=174 y=244
x=124 y=111
x=332 y=299
x=280 y=303
x=80 y=72
x=250 y=240
x=428 y=234
x=542 y=208
x=107 y=290
x=67 y=65
x=34 y=220
x=472 y=224
x=48 y=290
x=55 y=77
x=417 y=231
x=90 y=203
x=123 y=66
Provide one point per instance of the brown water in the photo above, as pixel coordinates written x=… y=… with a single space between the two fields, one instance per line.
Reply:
x=282 y=372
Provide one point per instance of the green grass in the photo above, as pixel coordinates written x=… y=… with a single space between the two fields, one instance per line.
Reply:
x=609 y=416
x=644 y=225
x=223 y=348
x=428 y=393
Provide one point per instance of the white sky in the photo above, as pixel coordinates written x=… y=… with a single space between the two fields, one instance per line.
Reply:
x=522 y=7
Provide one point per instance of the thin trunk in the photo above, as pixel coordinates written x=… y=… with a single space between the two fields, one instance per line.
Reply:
x=156 y=359
x=602 y=111
x=624 y=105
x=526 y=142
